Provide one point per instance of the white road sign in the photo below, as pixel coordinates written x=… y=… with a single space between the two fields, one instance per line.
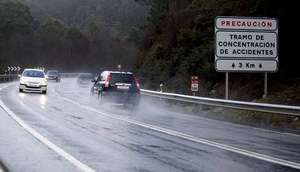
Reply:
x=13 y=68
x=195 y=83
x=246 y=44
x=246 y=65
x=195 y=87
x=245 y=23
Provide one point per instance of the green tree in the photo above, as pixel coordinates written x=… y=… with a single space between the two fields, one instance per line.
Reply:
x=16 y=28
x=49 y=40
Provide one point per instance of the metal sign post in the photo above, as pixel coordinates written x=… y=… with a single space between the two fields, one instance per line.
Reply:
x=226 y=87
x=8 y=69
x=266 y=85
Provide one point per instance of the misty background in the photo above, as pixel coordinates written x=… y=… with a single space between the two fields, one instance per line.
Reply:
x=70 y=34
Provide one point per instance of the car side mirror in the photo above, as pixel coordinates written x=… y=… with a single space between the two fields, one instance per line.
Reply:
x=46 y=76
x=19 y=76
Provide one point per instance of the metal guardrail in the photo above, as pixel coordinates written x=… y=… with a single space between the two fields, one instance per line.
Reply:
x=8 y=78
x=260 y=107
x=70 y=75
x=73 y=75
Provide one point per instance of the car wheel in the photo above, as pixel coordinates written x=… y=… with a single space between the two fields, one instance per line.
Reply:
x=20 y=90
x=44 y=92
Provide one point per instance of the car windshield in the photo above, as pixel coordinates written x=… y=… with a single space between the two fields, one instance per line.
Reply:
x=122 y=78
x=52 y=73
x=33 y=73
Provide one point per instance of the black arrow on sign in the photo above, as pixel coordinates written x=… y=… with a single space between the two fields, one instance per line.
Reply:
x=233 y=65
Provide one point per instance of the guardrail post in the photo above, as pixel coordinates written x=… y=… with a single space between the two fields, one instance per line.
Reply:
x=161 y=85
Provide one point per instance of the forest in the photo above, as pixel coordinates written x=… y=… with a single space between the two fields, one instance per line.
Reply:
x=70 y=35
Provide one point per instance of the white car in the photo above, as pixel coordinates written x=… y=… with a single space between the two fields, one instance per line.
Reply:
x=33 y=80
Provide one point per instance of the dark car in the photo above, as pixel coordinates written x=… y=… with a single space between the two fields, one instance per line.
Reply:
x=119 y=87
x=53 y=75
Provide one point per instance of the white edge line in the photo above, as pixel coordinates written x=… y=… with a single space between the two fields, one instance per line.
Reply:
x=195 y=139
x=45 y=141
x=243 y=126
x=1 y=168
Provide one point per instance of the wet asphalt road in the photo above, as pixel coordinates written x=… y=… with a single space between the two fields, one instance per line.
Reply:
x=105 y=143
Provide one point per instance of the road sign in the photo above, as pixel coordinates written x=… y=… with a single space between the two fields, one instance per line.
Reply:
x=246 y=23
x=13 y=68
x=246 y=65
x=194 y=83
x=246 y=44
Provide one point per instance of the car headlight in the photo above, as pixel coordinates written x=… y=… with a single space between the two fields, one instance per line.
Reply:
x=22 y=81
x=44 y=83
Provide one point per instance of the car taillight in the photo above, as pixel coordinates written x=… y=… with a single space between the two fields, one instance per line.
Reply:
x=109 y=78
x=137 y=82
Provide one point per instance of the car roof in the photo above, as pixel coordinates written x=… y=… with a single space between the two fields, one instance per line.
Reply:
x=34 y=70
x=122 y=72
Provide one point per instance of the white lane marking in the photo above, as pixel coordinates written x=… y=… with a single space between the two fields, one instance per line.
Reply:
x=251 y=154
x=44 y=140
x=1 y=167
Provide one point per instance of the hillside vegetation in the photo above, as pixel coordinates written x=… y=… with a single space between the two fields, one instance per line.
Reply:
x=70 y=34
x=179 y=43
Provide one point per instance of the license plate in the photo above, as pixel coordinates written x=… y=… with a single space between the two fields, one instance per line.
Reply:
x=123 y=87
x=31 y=85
